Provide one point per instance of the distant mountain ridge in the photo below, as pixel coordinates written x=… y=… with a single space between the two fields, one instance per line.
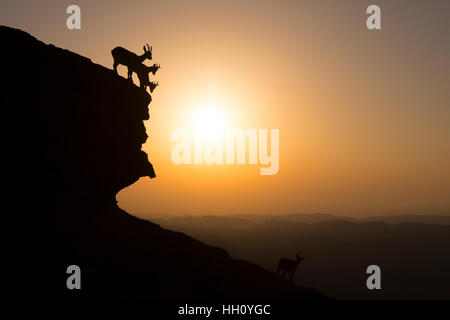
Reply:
x=306 y=218
x=428 y=219
x=321 y=217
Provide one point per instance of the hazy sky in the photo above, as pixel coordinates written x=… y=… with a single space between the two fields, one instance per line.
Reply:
x=364 y=116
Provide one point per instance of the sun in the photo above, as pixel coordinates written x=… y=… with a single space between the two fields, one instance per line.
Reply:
x=209 y=121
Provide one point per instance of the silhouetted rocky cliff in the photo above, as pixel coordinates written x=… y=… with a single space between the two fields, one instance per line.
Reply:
x=73 y=133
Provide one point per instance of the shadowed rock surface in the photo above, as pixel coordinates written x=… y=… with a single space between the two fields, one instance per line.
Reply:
x=73 y=132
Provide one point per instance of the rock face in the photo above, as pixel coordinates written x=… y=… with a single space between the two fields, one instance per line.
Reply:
x=73 y=133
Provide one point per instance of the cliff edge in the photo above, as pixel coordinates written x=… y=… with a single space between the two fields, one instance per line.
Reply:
x=73 y=131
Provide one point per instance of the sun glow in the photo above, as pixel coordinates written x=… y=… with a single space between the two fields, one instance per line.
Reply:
x=210 y=121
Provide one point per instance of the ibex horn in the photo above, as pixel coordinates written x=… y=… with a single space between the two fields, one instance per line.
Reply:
x=147 y=46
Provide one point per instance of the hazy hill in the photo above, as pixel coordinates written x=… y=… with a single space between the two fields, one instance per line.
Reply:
x=295 y=217
x=73 y=133
x=430 y=219
x=322 y=217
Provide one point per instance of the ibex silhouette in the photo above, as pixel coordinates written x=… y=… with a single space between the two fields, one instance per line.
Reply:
x=289 y=266
x=142 y=72
x=129 y=59
x=153 y=68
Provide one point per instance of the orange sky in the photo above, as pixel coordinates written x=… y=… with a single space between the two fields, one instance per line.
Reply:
x=364 y=116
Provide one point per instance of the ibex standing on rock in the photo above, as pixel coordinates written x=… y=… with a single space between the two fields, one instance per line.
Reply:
x=130 y=59
x=289 y=266
x=142 y=72
x=153 y=68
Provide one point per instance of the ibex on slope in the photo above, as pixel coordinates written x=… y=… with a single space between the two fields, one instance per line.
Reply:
x=130 y=59
x=142 y=72
x=289 y=266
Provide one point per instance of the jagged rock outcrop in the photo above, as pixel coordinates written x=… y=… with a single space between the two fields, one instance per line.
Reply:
x=73 y=132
